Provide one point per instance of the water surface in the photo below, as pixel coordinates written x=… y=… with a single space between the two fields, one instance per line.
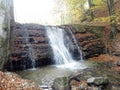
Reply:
x=46 y=75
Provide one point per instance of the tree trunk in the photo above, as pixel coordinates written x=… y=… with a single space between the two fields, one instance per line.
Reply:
x=113 y=32
x=110 y=4
x=90 y=6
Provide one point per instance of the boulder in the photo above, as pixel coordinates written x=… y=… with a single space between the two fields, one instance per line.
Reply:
x=98 y=81
x=61 y=83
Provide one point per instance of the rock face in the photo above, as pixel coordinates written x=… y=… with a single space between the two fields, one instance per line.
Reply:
x=31 y=42
x=34 y=38
x=11 y=81
x=89 y=43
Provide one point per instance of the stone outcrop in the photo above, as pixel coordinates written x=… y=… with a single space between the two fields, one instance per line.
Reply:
x=37 y=40
x=12 y=81
x=90 y=44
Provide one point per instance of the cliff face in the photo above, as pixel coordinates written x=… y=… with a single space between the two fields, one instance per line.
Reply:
x=6 y=26
x=42 y=54
x=30 y=42
x=89 y=42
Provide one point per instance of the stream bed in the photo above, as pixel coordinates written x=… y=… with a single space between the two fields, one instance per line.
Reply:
x=46 y=75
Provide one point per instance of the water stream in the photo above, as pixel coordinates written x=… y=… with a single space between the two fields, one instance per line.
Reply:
x=46 y=75
x=57 y=42
x=65 y=64
x=75 y=41
x=30 y=49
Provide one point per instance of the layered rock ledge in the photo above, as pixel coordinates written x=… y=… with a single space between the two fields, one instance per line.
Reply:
x=42 y=53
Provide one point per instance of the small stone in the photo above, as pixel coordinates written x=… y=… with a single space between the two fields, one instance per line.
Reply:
x=98 y=80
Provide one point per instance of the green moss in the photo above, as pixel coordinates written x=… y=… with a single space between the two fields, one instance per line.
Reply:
x=97 y=30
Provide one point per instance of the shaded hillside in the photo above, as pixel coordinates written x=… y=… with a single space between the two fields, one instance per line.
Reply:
x=103 y=11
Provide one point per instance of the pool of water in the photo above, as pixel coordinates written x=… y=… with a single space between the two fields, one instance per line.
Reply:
x=46 y=75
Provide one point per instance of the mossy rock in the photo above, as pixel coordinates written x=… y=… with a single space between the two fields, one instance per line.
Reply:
x=61 y=83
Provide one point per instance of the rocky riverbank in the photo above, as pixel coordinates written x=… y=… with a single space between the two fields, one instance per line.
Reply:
x=103 y=75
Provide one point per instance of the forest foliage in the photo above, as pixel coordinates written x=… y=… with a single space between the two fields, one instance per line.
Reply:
x=78 y=11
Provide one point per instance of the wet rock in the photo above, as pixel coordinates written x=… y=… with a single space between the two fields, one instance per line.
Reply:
x=98 y=81
x=90 y=44
x=37 y=40
x=61 y=83
x=12 y=81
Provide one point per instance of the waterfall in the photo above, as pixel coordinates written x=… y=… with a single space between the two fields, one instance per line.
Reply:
x=57 y=42
x=28 y=44
x=75 y=41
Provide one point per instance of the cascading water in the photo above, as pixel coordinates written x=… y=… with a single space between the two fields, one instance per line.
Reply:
x=60 y=44
x=30 y=49
x=57 y=41
x=75 y=41
x=60 y=51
